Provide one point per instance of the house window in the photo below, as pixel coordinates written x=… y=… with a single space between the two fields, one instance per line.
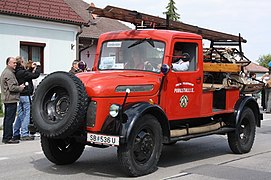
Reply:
x=33 y=51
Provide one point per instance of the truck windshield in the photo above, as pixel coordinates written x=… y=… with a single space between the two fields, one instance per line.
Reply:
x=138 y=54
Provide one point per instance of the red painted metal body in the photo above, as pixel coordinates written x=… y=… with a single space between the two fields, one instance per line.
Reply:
x=182 y=94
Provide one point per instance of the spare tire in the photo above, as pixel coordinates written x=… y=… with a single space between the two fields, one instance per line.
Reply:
x=59 y=105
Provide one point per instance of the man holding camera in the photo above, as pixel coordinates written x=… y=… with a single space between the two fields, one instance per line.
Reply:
x=24 y=76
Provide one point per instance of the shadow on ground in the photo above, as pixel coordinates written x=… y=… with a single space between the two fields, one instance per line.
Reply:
x=104 y=163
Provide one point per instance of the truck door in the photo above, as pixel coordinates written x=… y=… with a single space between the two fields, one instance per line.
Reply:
x=183 y=88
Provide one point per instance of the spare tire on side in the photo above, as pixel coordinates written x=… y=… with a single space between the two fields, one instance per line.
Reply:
x=59 y=105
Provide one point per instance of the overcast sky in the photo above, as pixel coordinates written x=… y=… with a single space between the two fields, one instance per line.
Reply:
x=251 y=18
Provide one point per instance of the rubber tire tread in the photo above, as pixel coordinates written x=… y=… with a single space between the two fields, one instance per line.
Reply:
x=125 y=154
x=53 y=154
x=234 y=137
x=79 y=112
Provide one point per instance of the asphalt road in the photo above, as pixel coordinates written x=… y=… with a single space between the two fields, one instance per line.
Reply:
x=204 y=158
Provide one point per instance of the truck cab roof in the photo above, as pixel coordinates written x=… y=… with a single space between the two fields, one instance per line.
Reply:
x=149 y=33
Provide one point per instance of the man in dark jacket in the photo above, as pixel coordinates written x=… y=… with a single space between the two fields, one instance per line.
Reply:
x=24 y=76
x=10 y=96
x=75 y=69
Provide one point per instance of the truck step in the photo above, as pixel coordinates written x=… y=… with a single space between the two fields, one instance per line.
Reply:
x=196 y=130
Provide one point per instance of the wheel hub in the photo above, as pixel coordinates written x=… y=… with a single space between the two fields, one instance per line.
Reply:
x=144 y=145
x=62 y=106
x=244 y=131
x=57 y=105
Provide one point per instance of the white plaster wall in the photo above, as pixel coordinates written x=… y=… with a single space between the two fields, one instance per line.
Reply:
x=58 y=38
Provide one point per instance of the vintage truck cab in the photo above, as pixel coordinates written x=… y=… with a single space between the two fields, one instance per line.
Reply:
x=147 y=83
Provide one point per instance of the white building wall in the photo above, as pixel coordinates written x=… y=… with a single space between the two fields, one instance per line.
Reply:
x=88 y=56
x=58 y=37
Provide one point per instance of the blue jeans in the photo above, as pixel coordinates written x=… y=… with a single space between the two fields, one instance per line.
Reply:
x=10 y=114
x=23 y=118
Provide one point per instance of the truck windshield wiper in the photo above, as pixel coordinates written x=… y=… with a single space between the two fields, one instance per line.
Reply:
x=150 y=41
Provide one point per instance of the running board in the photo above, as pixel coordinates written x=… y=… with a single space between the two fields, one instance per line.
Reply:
x=189 y=133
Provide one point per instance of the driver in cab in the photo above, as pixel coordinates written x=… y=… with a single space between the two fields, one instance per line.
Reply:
x=138 y=62
x=179 y=61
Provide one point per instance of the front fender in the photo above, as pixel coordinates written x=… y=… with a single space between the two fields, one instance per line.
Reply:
x=136 y=111
x=247 y=101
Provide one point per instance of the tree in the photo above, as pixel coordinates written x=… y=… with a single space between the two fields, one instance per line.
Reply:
x=171 y=11
x=264 y=60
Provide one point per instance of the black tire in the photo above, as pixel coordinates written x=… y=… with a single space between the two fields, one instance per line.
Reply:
x=61 y=151
x=170 y=143
x=59 y=105
x=31 y=128
x=242 y=139
x=147 y=135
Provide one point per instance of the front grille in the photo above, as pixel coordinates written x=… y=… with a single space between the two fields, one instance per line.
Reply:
x=91 y=114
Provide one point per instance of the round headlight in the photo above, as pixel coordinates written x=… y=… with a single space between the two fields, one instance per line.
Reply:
x=114 y=110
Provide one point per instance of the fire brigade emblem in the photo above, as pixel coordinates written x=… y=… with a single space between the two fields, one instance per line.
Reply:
x=183 y=101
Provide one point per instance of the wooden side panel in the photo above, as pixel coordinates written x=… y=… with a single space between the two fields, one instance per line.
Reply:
x=221 y=67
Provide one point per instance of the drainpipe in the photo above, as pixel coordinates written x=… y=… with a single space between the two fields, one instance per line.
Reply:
x=77 y=42
x=91 y=44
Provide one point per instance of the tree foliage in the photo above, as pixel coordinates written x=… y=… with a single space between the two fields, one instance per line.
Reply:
x=172 y=11
x=264 y=60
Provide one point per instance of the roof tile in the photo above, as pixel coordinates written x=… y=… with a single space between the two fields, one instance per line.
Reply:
x=102 y=24
x=253 y=67
x=24 y=2
x=55 y=10
x=66 y=11
x=43 y=13
x=22 y=6
x=44 y=6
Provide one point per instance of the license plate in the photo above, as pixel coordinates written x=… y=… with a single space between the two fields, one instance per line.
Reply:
x=103 y=139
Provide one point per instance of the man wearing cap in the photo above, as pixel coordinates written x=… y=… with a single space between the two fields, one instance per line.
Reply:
x=179 y=64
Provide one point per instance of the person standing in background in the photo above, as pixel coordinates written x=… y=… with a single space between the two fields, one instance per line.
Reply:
x=24 y=76
x=265 y=92
x=10 y=96
x=268 y=95
x=253 y=80
x=75 y=69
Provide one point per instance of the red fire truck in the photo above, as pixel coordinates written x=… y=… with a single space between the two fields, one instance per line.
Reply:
x=136 y=101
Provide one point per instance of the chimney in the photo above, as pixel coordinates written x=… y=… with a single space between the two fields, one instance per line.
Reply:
x=93 y=15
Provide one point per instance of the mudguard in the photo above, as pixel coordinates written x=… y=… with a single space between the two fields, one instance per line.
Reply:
x=247 y=101
x=135 y=111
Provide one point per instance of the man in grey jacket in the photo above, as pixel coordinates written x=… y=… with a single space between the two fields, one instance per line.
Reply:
x=10 y=93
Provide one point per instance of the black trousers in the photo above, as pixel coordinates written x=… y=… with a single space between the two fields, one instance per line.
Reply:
x=263 y=100
x=9 y=118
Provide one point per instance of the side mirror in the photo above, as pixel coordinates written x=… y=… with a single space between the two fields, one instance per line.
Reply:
x=165 y=69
